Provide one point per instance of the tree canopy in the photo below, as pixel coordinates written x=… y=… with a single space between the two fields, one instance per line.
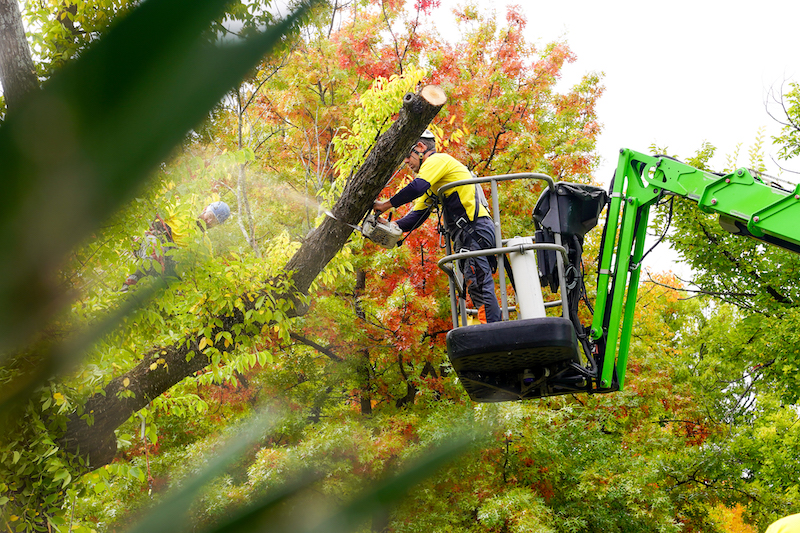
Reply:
x=293 y=374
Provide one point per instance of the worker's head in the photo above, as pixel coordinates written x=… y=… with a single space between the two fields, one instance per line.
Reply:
x=215 y=213
x=426 y=145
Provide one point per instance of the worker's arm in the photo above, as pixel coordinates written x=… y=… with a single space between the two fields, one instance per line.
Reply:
x=413 y=219
x=409 y=193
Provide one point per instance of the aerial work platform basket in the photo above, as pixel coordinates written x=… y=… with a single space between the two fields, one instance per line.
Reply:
x=537 y=354
x=546 y=350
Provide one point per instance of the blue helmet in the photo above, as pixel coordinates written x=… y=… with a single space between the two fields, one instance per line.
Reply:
x=220 y=210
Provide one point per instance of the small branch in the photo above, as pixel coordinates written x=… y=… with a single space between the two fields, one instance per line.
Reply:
x=697 y=291
x=311 y=344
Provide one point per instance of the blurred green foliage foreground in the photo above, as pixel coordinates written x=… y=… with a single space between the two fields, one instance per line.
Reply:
x=72 y=154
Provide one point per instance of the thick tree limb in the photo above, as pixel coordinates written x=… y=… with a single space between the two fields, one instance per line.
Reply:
x=324 y=242
x=90 y=434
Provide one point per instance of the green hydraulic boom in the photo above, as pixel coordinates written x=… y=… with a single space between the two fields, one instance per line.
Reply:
x=745 y=204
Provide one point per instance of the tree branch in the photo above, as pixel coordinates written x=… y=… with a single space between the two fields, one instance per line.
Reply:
x=318 y=347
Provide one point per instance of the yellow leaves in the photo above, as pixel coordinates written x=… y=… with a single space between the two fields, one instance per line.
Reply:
x=767 y=433
x=203 y=343
x=437 y=131
x=59 y=398
x=455 y=137
x=226 y=336
x=126 y=382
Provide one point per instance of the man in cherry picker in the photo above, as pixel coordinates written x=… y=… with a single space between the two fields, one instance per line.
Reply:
x=467 y=220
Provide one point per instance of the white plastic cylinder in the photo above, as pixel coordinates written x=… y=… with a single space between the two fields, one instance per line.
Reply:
x=530 y=303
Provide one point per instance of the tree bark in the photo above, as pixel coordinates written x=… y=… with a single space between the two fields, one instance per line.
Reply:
x=90 y=433
x=17 y=72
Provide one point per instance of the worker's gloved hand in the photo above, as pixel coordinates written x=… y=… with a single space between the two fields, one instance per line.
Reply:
x=381 y=207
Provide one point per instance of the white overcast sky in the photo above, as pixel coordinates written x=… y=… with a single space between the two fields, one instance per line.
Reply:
x=676 y=73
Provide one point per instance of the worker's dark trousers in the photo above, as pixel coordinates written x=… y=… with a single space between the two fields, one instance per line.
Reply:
x=478 y=270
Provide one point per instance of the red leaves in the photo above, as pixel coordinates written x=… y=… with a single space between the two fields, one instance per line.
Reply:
x=426 y=6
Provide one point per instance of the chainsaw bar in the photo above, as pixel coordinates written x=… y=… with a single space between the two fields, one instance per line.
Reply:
x=357 y=228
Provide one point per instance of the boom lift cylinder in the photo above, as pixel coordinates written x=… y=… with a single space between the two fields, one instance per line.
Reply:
x=527 y=288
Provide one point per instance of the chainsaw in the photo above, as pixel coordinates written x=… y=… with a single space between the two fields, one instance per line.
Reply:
x=385 y=233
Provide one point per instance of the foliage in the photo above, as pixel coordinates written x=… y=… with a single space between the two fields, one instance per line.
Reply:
x=789 y=140
x=739 y=359
x=702 y=439
x=63 y=30
x=95 y=138
x=370 y=119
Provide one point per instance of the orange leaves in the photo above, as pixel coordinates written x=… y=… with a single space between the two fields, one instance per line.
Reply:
x=731 y=519
x=515 y=18
x=551 y=63
x=504 y=100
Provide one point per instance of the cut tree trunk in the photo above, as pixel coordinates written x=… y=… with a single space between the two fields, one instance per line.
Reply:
x=90 y=433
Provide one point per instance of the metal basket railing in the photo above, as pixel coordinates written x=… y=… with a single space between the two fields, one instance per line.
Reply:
x=449 y=263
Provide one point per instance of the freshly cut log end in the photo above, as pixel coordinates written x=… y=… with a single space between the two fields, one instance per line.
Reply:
x=434 y=95
x=431 y=96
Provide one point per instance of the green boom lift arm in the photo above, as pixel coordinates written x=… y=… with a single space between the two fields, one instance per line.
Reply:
x=746 y=206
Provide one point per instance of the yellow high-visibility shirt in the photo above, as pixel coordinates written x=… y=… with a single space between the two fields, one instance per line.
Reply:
x=440 y=170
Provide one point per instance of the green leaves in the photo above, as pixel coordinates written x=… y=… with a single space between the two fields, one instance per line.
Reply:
x=264 y=513
x=790 y=135
x=84 y=144
x=72 y=154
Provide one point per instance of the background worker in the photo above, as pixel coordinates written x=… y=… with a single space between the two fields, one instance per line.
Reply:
x=166 y=234
x=466 y=218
